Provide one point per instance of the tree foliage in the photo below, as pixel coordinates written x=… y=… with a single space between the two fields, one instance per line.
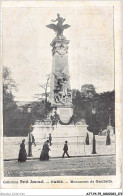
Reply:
x=104 y=104
x=40 y=110
x=88 y=90
x=9 y=104
x=45 y=87
x=16 y=121
x=8 y=87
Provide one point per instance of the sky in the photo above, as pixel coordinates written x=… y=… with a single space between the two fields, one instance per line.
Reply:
x=27 y=52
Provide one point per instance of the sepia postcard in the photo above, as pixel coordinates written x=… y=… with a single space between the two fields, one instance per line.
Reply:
x=61 y=95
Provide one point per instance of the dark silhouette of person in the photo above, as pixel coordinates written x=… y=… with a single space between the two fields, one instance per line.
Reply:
x=55 y=119
x=87 y=139
x=22 y=153
x=52 y=120
x=65 y=149
x=33 y=140
x=50 y=139
x=108 y=140
x=45 y=152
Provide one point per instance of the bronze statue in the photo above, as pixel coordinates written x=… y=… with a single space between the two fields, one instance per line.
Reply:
x=59 y=27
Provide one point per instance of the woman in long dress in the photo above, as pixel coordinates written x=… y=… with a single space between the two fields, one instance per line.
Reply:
x=45 y=152
x=22 y=153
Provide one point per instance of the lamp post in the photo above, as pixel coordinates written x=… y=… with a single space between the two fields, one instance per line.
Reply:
x=109 y=121
x=29 y=133
x=108 y=140
x=94 y=140
x=109 y=117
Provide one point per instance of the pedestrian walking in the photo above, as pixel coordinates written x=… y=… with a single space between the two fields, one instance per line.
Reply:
x=108 y=140
x=45 y=152
x=22 y=153
x=87 y=139
x=33 y=140
x=65 y=149
x=50 y=139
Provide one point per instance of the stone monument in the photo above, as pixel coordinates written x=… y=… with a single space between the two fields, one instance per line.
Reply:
x=61 y=96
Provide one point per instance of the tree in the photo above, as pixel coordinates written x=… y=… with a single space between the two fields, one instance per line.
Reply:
x=8 y=87
x=45 y=86
x=88 y=90
x=79 y=105
x=40 y=110
x=9 y=104
x=104 y=103
x=8 y=82
x=42 y=107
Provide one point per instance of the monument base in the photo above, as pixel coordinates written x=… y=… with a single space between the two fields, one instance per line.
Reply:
x=61 y=133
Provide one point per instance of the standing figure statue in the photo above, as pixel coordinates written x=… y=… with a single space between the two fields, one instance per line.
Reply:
x=59 y=27
x=55 y=119
x=64 y=87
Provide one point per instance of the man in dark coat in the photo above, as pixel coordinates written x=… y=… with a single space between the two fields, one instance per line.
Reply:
x=50 y=139
x=108 y=140
x=33 y=140
x=87 y=139
x=65 y=150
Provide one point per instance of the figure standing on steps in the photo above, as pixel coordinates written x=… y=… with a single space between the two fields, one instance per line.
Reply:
x=56 y=118
x=65 y=149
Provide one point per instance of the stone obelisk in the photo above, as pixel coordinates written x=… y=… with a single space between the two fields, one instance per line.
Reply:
x=61 y=96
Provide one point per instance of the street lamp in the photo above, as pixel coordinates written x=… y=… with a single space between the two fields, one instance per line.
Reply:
x=29 y=133
x=109 y=128
x=108 y=140
x=94 y=140
x=109 y=117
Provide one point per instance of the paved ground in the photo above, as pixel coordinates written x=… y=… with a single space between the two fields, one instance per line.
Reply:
x=82 y=166
x=76 y=148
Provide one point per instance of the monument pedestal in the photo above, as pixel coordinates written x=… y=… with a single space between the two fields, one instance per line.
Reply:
x=61 y=133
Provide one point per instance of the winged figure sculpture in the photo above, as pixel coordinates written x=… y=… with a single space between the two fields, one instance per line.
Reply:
x=59 y=27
